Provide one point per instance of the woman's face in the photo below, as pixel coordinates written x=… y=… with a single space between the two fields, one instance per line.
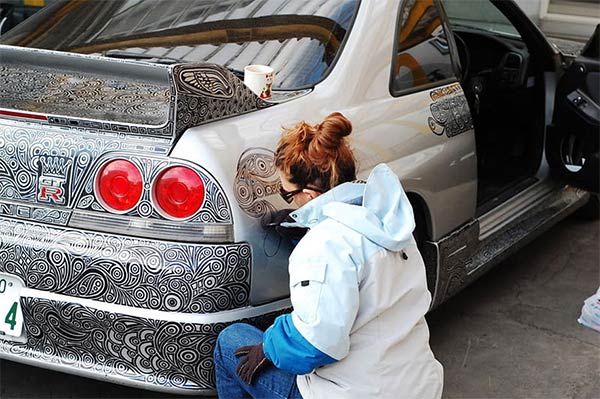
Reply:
x=302 y=197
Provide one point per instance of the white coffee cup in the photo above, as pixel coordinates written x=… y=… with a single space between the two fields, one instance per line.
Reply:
x=259 y=78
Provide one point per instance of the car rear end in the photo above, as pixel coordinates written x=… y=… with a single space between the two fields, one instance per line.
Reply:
x=116 y=261
x=119 y=261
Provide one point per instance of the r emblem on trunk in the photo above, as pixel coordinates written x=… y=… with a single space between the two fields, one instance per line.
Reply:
x=53 y=175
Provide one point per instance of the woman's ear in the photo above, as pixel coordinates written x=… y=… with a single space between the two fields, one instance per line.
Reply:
x=311 y=193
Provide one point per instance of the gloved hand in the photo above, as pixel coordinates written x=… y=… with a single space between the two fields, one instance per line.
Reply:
x=275 y=219
x=251 y=364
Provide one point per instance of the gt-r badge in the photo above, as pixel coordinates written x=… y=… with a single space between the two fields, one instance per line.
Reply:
x=53 y=173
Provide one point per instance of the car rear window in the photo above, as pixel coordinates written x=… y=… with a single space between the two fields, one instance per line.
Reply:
x=299 y=39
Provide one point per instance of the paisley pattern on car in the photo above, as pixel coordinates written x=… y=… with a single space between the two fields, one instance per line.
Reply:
x=160 y=353
x=208 y=92
x=255 y=180
x=57 y=92
x=129 y=271
x=28 y=153
x=450 y=111
x=214 y=210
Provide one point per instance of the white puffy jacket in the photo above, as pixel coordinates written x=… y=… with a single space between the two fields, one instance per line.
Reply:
x=359 y=293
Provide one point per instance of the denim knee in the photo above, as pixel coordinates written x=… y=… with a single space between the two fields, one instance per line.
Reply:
x=234 y=336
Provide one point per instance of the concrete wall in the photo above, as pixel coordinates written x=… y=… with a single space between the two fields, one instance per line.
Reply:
x=531 y=8
x=568 y=26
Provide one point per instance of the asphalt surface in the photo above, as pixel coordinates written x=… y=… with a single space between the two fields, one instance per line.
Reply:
x=512 y=334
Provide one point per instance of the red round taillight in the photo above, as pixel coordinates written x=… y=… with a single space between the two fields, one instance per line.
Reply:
x=119 y=185
x=179 y=192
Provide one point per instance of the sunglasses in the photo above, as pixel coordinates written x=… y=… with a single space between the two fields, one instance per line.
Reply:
x=288 y=196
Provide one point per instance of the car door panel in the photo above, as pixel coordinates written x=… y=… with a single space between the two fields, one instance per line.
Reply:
x=572 y=139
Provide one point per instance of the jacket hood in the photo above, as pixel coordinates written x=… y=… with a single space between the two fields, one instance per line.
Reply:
x=377 y=209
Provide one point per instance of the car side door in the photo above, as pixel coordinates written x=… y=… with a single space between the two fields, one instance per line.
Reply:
x=572 y=139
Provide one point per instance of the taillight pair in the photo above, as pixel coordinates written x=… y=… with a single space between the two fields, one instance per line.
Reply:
x=177 y=192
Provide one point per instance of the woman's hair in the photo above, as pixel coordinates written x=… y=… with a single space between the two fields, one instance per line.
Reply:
x=319 y=154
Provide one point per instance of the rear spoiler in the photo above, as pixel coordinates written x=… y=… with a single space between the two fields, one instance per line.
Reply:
x=120 y=96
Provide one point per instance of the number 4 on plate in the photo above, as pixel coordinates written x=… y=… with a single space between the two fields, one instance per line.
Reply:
x=11 y=316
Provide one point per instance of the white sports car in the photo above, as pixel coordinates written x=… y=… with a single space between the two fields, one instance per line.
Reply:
x=137 y=184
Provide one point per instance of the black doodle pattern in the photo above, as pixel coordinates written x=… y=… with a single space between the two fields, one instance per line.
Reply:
x=167 y=354
x=127 y=271
x=198 y=94
x=25 y=154
x=205 y=81
x=214 y=210
x=22 y=148
x=164 y=132
x=52 y=91
x=455 y=254
x=208 y=92
x=44 y=215
x=157 y=353
x=256 y=179
x=450 y=112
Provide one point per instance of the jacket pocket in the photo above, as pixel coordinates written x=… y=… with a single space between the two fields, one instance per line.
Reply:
x=306 y=283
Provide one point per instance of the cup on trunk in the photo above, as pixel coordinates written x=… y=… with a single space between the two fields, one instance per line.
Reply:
x=259 y=78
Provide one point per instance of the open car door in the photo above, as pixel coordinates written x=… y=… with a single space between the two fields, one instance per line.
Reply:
x=572 y=140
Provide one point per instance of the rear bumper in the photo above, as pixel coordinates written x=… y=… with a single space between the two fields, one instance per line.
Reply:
x=143 y=273
x=137 y=312
x=155 y=350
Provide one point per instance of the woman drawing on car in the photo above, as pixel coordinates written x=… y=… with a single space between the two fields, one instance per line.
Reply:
x=357 y=286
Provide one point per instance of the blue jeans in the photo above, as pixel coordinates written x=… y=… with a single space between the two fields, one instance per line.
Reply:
x=271 y=382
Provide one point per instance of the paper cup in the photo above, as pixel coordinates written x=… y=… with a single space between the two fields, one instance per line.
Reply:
x=259 y=78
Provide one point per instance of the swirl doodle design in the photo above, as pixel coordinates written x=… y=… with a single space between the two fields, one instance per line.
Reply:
x=450 y=112
x=157 y=353
x=173 y=355
x=27 y=154
x=256 y=179
x=205 y=81
x=51 y=91
x=127 y=271
x=214 y=210
x=207 y=92
x=192 y=95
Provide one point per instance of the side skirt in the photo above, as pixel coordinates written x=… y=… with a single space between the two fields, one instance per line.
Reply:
x=467 y=253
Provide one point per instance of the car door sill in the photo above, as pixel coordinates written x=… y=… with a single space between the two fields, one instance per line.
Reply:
x=507 y=212
x=462 y=256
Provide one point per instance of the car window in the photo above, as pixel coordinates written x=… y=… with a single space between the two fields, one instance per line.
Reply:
x=422 y=56
x=483 y=17
x=299 y=39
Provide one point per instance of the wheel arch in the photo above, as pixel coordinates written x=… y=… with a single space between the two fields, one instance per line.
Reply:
x=423 y=234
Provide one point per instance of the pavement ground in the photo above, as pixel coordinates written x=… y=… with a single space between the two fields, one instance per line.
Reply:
x=514 y=333
x=511 y=334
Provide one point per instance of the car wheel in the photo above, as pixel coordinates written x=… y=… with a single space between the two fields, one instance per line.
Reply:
x=573 y=159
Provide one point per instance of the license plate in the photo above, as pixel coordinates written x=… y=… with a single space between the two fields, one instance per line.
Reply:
x=11 y=316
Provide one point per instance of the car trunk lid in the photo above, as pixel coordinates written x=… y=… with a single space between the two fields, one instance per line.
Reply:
x=62 y=115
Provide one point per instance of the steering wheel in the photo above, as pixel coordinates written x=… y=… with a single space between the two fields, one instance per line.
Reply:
x=464 y=56
x=511 y=70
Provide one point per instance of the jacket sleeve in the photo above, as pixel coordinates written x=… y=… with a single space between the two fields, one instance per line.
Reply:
x=324 y=295
x=289 y=350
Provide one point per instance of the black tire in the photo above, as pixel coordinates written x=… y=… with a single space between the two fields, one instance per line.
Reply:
x=421 y=236
x=564 y=150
